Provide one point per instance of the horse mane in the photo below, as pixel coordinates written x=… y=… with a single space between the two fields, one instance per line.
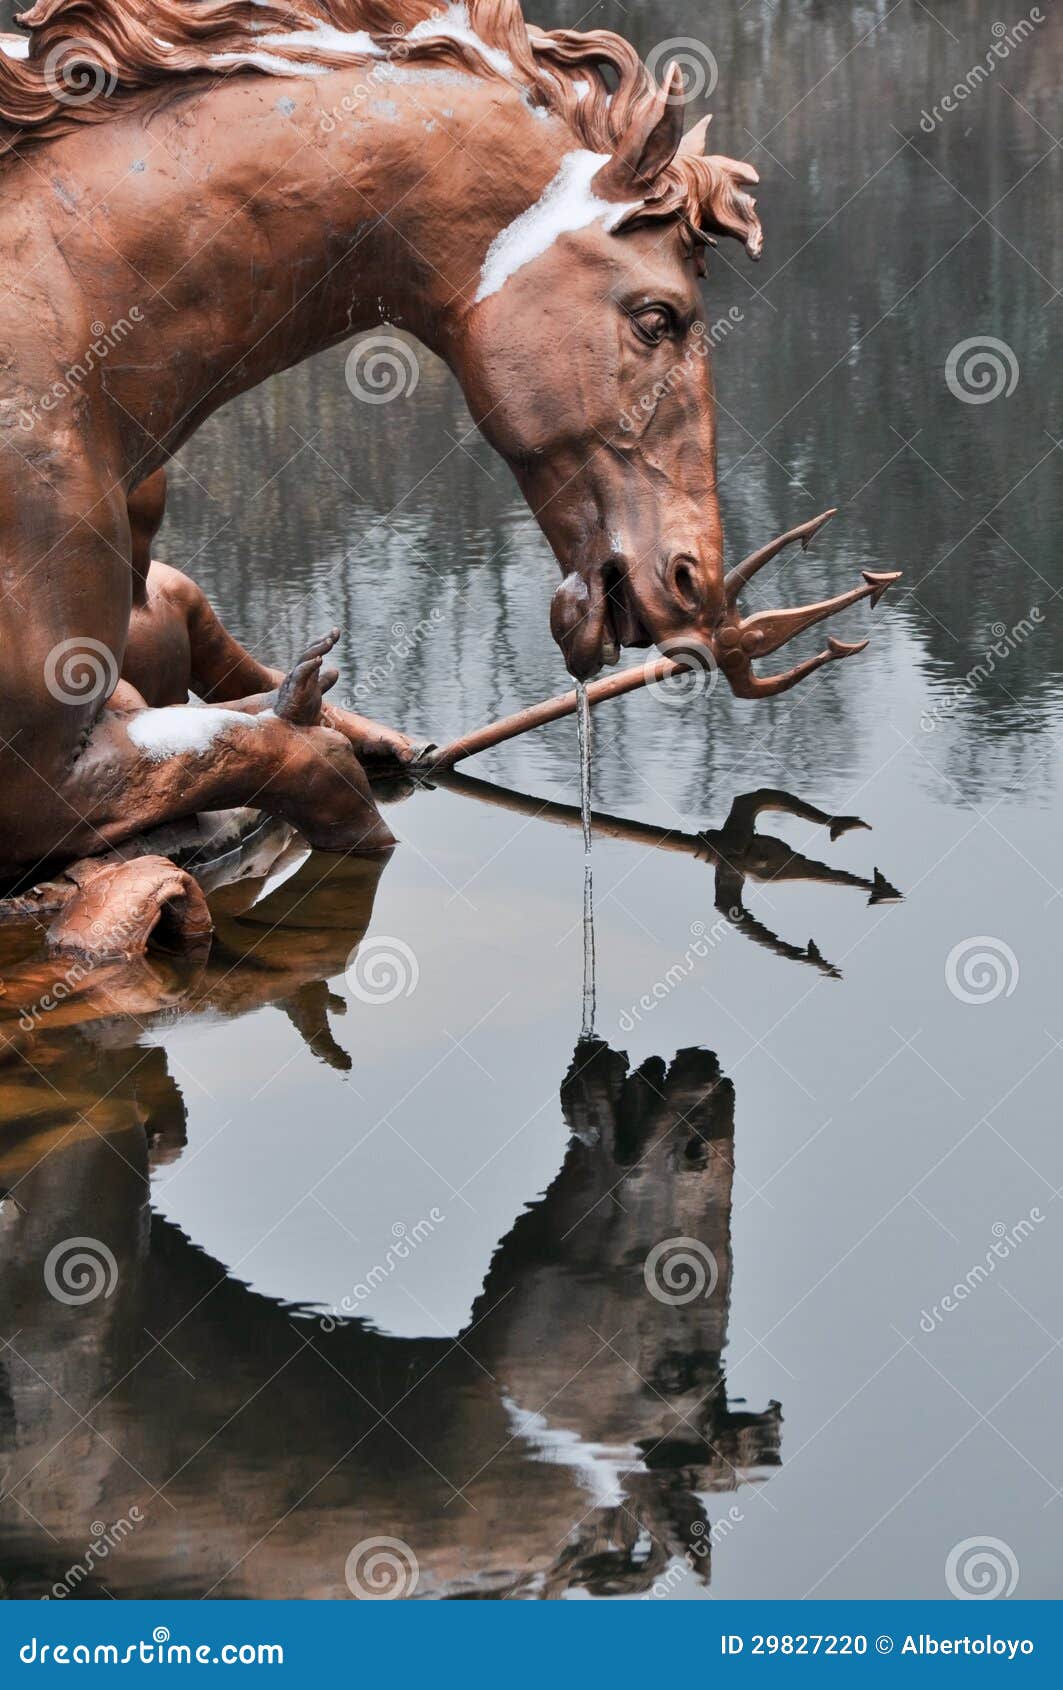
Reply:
x=85 y=59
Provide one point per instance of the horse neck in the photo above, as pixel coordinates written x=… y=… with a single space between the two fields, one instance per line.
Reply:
x=343 y=219
x=427 y=169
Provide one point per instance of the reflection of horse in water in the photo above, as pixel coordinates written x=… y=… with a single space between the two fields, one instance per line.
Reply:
x=568 y=1437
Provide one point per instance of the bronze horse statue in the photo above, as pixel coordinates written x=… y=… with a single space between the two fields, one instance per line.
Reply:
x=198 y=196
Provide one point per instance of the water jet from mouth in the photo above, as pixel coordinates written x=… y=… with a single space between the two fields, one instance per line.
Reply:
x=583 y=721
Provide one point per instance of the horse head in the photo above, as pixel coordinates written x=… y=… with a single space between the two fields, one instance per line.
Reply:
x=587 y=365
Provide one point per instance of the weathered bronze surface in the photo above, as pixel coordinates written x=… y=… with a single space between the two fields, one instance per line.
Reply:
x=248 y=210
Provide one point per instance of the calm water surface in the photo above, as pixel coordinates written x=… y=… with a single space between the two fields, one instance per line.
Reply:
x=393 y=1245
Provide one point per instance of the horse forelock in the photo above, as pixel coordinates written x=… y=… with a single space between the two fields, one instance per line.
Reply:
x=86 y=58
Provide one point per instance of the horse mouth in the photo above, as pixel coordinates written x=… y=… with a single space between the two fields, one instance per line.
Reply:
x=597 y=612
x=623 y=623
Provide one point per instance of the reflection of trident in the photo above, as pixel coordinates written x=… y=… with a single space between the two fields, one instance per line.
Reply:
x=736 y=849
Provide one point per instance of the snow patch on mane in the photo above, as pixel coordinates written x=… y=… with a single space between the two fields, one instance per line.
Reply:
x=321 y=38
x=455 y=25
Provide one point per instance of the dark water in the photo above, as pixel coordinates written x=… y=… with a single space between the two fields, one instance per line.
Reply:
x=393 y=1250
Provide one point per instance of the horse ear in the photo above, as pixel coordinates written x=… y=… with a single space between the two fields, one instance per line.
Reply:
x=693 y=143
x=726 y=207
x=653 y=135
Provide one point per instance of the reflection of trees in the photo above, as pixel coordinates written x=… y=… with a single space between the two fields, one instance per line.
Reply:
x=586 y=1420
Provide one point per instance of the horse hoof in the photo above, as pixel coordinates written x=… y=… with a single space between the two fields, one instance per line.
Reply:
x=118 y=908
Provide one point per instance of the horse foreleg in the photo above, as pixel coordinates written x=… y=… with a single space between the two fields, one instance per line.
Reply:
x=152 y=766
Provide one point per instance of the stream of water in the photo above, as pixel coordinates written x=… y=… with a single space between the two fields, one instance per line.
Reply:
x=583 y=719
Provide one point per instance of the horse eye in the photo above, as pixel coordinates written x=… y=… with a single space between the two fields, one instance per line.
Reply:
x=652 y=324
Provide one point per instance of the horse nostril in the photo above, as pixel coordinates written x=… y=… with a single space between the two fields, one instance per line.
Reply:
x=684 y=586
